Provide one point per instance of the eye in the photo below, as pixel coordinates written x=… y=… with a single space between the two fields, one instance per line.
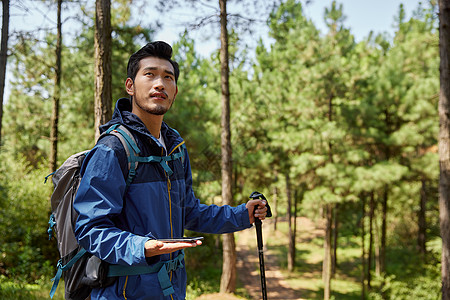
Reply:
x=169 y=77
x=148 y=74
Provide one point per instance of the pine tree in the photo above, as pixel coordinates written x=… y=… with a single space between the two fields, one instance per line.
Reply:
x=444 y=140
x=56 y=94
x=3 y=57
x=103 y=75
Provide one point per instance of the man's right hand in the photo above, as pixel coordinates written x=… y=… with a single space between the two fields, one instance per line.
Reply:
x=155 y=247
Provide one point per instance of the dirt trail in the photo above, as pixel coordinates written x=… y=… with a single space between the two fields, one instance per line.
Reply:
x=248 y=262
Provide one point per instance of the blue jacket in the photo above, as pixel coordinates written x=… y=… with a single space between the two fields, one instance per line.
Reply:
x=114 y=222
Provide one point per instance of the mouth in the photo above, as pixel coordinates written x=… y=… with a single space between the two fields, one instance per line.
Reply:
x=159 y=95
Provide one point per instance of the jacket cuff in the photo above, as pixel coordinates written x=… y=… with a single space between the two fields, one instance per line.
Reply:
x=152 y=259
x=140 y=241
x=243 y=216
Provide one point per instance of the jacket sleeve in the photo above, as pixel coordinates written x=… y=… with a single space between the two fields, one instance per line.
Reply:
x=211 y=218
x=99 y=199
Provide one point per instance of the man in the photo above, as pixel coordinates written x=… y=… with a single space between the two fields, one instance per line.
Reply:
x=122 y=225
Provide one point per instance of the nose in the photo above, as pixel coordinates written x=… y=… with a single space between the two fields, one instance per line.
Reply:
x=158 y=84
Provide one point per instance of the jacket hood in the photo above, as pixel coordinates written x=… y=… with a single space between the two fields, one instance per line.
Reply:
x=122 y=115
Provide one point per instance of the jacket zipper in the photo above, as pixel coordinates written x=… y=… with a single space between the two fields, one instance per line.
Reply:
x=125 y=287
x=169 y=187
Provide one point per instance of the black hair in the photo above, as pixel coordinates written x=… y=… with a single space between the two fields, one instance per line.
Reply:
x=156 y=49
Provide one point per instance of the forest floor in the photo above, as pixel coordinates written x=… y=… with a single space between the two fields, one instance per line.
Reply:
x=278 y=286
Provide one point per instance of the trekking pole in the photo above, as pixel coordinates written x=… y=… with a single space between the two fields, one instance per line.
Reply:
x=258 y=224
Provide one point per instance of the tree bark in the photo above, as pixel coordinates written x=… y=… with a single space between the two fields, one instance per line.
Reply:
x=382 y=257
x=326 y=269
x=3 y=57
x=275 y=203
x=333 y=225
x=335 y=240
x=422 y=236
x=371 y=239
x=376 y=245
x=56 y=94
x=291 y=247
x=103 y=75
x=444 y=143
x=363 y=247
x=228 y=280
x=294 y=231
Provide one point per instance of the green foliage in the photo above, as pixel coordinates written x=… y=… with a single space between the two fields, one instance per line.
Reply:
x=426 y=286
x=11 y=289
x=204 y=266
x=26 y=253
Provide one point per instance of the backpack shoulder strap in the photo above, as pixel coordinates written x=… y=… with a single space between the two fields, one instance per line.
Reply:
x=129 y=144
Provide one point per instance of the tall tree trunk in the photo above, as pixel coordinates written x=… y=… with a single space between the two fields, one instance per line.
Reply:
x=228 y=280
x=333 y=225
x=275 y=207
x=376 y=246
x=291 y=247
x=363 y=247
x=444 y=143
x=275 y=203
x=384 y=207
x=3 y=57
x=335 y=239
x=370 y=251
x=103 y=76
x=294 y=233
x=326 y=268
x=422 y=237
x=56 y=94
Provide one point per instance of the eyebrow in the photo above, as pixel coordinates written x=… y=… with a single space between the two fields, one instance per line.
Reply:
x=156 y=68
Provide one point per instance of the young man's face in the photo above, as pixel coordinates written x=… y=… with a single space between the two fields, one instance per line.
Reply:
x=154 y=87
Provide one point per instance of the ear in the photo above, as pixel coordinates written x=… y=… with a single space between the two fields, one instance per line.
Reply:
x=129 y=86
x=176 y=92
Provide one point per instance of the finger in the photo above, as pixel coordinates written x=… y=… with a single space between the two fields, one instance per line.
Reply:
x=262 y=209
x=180 y=245
x=154 y=244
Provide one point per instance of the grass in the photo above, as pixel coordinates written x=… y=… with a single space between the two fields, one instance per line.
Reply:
x=17 y=290
x=307 y=274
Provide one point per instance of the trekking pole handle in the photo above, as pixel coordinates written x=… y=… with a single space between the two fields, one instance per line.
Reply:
x=257 y=195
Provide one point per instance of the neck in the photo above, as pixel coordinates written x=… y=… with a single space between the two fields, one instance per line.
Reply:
x=151 y=122
x=154 y=125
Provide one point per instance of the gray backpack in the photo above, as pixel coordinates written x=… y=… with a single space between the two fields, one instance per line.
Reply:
x=82 y=271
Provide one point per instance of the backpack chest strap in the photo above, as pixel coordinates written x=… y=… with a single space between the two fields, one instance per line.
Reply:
x=162 y=160
x=132 y=152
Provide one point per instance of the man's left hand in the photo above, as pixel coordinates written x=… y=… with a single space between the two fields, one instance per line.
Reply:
x=260 y=211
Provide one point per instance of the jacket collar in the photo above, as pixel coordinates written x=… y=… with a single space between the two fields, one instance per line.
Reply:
x=122 y=115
